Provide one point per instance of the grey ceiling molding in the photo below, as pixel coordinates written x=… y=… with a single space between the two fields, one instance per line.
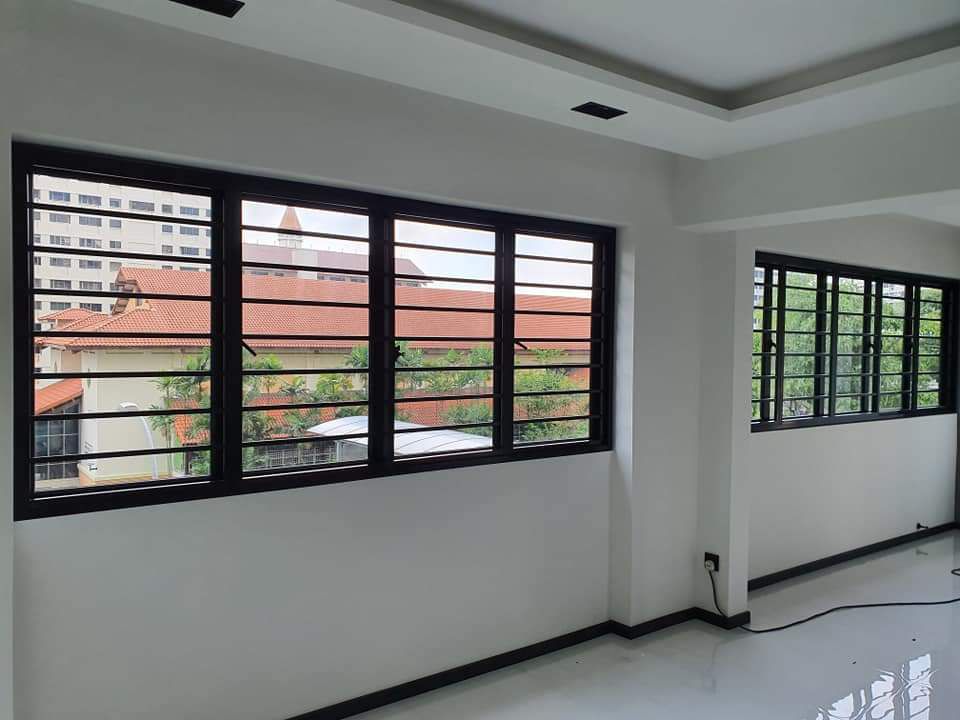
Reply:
x=837 y=69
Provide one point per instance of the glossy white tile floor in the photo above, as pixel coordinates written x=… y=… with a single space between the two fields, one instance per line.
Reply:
x=890 y=664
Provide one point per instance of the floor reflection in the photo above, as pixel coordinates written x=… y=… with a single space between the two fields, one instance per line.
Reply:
x=903 y=694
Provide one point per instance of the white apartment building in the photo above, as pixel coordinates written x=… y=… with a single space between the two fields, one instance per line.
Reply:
x=74 y=229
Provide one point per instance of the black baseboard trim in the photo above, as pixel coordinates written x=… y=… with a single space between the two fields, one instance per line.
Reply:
x=632 y=632
x=790 y=573
x=406 y=690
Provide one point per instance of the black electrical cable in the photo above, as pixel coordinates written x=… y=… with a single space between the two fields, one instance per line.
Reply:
x=761 y=631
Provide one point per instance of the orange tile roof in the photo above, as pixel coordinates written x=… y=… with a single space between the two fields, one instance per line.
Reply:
x=56 y=394
x=183 y=316
x=69 y=314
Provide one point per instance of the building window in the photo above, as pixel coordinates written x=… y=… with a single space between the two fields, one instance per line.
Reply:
x=57 y=306
x=190 y=211
x=91 y=200
x=189 y=230
x=92 y=307
x=36 y=195
x=142 y=206
x=58 y=262
x=116 y=224
x=91 y=221
x=59 y=240
x=452 y=337
x=116 y=203
x=166 y=228
x=60 y=284
x=59 y=196
x=115 y=245
x=91 y=285
x=90 y=243
x=166 y=209
x=837 y=343
x=59 y=218
x=85 y=264
x=115 y=266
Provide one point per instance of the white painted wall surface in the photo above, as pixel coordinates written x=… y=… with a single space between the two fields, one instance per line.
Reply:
x=816 y=492
x=269 y=605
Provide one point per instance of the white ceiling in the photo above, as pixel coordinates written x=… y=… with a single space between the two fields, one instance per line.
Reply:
x=724 y=45
x=731 y=43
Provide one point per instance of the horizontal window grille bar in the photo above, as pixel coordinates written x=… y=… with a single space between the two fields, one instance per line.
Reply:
x=535 y=340
x=535 y=444
x=558 y=366
x=306 y=405
x=816 y=354
x=306 y=233
x=134 y=334
x=106 y=212
x=444 y=454
x=439 y=278
x=80 y=457
x=346 y=338
x=445 y=398
x=444 y=248
x=299 y=469
x=108 y=414
x=576 y=261
x=120 y=374
x=802 y=398
x=302 y=268
x=440 y=220
x=433 y=308
x=308 y=371
x=562 y=418
x=121 y=295
x=434 y=338
x=117 y=254
x=563 y=313
x=43 y=495
x=545 y=235
x=301 y=303
x=553 y=286
x=431 y=428
x=856 y=395
x=445 y=368
x=301 y=440
x=557 y=392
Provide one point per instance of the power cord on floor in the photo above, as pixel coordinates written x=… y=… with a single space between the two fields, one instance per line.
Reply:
x=761 y=631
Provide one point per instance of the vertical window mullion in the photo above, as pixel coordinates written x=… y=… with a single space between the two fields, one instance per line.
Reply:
x=781 y=320
x=877 y=344
x=380 y=342
x=505 y=300
x=946 y=381
x=600 y=352
x=914 y=292
x=906 y=349
x=23 y=283
x=819 y=363
x=227 y=360
x=766 y=344
x=834 y=330
x=866 y=348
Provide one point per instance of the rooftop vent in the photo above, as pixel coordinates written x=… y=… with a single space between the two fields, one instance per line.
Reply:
x=604 y=112
x=227 y=8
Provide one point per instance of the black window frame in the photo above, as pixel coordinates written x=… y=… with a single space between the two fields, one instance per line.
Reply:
x=773 y=343
x=227 y=192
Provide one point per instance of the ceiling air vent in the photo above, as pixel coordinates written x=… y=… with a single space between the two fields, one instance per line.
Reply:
x=604 y=112
x=227 y=8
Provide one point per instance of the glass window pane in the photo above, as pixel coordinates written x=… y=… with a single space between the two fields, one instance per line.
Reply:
x=449 y=236
x=550 y=431
x=531 y=407
x=554 y=247
x=409 y=384
x=432 y=413
x=119 y=471
x=297 y=218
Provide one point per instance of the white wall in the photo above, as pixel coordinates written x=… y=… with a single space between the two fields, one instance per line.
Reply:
x=815 y=492
x=267 y=605
x=880 y=167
